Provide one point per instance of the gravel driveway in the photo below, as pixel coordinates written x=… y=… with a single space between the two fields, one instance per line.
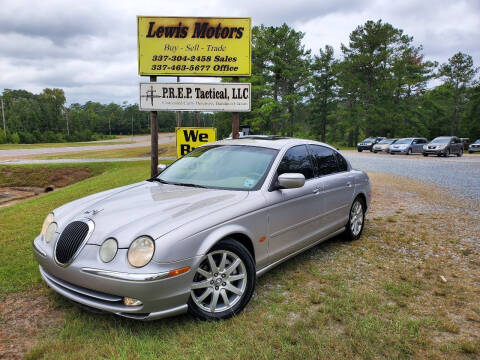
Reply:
x=461 y=175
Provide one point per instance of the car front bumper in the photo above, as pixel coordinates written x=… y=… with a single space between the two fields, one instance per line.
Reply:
x=364 y=147
x=95 y=288
x=435 y=151
x=398 y=151
x=474 y=149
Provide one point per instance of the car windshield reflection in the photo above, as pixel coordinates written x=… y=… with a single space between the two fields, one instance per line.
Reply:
x=232 y=167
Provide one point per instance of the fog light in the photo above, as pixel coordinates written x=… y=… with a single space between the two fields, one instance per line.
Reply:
x=131 y=302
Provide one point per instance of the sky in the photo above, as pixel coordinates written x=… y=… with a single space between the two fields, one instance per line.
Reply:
x=89 y=48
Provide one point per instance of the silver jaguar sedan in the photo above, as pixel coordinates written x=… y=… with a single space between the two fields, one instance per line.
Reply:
x=195 y=237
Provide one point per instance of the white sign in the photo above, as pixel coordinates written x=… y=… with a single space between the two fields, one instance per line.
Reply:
x=228 y=97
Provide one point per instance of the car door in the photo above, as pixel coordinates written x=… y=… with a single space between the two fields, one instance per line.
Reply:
x=417 y=145
x=292 y=212
x=337 y=184
x=458 y=146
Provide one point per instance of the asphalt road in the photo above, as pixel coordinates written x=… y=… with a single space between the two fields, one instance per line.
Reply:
x=459 y=175
x=138 y=141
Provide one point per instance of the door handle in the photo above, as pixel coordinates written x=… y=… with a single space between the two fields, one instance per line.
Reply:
x=316 y=191
x=349 y=184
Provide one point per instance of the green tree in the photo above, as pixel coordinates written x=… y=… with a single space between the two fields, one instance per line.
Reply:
x=383 y=70
x=324 y=86
x=459 y=72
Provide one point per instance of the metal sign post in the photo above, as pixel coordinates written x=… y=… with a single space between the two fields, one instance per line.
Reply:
x=154 y=136
x=179 y=116
x=235 y=119
x=3 y=116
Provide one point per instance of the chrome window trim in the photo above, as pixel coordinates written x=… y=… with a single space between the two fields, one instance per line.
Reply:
x=91 y=227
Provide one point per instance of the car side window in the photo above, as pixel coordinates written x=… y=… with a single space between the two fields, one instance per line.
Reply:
x=296 y=160
x=324 y=159
x=342 y=163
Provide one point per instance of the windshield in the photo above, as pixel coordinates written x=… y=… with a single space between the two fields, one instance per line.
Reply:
x=369 y=140
x=442 y=140
x=222 y=167
x=477 y=141
x=387 y=141
x=404 y=141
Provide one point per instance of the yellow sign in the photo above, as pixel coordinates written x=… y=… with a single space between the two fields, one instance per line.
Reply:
x=189 y=139
x=194 y=46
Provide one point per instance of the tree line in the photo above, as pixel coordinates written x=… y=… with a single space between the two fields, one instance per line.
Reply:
x=380 y=85
x=33 y=118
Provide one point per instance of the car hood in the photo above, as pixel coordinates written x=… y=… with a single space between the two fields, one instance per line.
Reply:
x=149 y=208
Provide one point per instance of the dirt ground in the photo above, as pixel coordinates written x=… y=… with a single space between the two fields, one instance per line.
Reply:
x=23 y=317
x=20 y=183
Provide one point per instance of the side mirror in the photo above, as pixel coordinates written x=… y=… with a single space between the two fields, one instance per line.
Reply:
x=291 y=181
x=161 y=167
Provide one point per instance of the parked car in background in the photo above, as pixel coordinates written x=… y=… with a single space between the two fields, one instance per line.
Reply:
x=444 y=146
x=408 y=146
x=195 y=237
x=368 y=143
x=383 y=145
x=465 y=142
x=474 y=147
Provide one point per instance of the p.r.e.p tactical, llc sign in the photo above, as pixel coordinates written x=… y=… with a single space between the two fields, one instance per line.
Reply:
x=190 y=138
x=195 y=96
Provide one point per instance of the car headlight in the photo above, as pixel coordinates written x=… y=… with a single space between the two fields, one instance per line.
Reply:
x=141 y=251
x=424 y=147
x=48 y=220
x=108 y=250
x=50 y=233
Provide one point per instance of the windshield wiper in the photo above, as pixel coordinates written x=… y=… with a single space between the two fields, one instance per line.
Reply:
x=159 y=180
x=179 y=184
x=189 y=185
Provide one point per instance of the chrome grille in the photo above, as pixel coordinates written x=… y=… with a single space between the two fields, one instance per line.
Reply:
x=70 y=241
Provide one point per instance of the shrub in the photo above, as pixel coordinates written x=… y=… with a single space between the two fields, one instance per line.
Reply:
x=27 y=138
x=13 y=138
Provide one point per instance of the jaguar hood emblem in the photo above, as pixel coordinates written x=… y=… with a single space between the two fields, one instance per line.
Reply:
x=93 y=212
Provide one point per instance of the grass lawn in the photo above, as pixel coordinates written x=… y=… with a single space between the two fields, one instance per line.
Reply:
x=144 y=151
x=379 y=297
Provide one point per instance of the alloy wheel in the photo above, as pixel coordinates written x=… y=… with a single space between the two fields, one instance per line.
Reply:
x=356 y=218
x=219 y=282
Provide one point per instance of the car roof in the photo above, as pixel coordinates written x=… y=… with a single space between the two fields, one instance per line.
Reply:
x=272 y=142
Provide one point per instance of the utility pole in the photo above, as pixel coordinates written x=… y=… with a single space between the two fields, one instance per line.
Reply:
x=3 y=116
x=236 y=119
x=132 y=128
x=154 y=137
x=197 y=118
x=67 y=119
x=179 y=119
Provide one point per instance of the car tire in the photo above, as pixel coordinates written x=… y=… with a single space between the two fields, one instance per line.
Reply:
x=425 y=154
x=356 y=220
x=409 y=152
x=374 y=151
x=211 y=296
x=460 y=153
x=470 y=152
x=359 y=150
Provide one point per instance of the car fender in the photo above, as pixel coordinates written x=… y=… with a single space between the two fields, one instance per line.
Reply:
x=220 y=233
